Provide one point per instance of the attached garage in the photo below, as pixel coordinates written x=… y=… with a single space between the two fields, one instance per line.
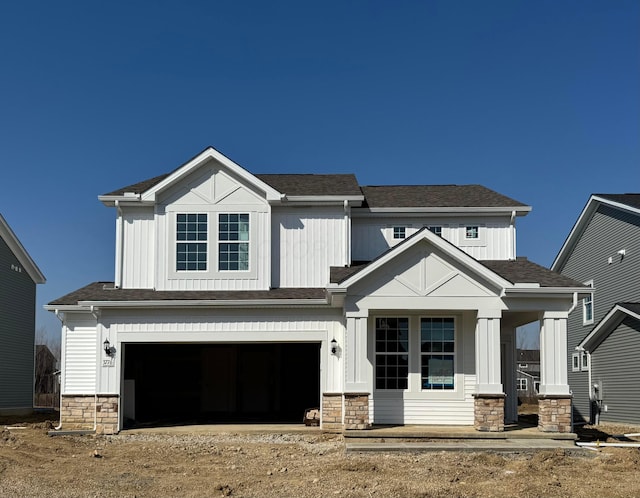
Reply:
x=219 y=383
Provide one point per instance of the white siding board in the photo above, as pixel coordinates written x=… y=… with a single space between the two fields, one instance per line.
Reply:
x=80 y=357
x=138 y=256
x=306 y=243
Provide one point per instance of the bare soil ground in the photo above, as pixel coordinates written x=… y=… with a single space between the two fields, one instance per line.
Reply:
x=33 y=464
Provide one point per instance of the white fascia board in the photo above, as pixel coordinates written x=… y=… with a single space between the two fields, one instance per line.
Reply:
x=66 y=307
x=443 y=211
x=325 y=199
x=271 y=194
x=20 y=252
x=441 y=244
x=196 y=303
x=522 y=291
x=612 y=319
x=124 y=199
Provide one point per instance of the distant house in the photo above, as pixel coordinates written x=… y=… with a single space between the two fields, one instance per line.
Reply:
x=252 y=297
x=603 y=251
x=18 y=278
x=527 y=373
x=47 y=379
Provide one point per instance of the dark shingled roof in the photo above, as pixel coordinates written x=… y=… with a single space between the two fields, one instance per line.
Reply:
x=285 y=184
x=313 y=184
x=104 y=291
x=520 y=270
x=385 y=196
x=632 y=200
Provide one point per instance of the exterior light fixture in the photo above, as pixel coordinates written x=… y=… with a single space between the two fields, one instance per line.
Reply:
x=334 y=346
x=107 y=347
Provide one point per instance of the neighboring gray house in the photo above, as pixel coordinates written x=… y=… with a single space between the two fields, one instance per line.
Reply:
x=18 y=278
x=527 y=373
x=603 y=250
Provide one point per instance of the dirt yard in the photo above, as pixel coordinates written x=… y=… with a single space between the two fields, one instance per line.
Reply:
x=33 y=464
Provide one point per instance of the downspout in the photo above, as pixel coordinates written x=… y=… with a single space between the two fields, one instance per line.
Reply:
x=95 y=394
x=61 y=318
x=347 y=228
x=119 y=244
x=512 y=222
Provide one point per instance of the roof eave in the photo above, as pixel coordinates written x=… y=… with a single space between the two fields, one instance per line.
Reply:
x=16 y=247
x=504 y=210
x=199 y=303
x=613 y=318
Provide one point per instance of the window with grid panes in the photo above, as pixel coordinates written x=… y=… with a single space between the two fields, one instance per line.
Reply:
x=392 y=353
x=437 y=352
x=233 y=242
x=191 y=242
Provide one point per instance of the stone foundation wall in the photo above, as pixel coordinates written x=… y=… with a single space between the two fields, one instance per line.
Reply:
x=554 y=414
x=79 y=412
x=356 y=411
x=489 y=413
x=332 y=412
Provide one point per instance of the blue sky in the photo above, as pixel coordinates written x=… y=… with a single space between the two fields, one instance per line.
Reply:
x=539 y=100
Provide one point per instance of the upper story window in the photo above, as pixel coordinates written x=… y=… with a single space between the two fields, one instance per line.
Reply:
x=392 y=353
x=587 y=307
x=233 y=242
x=522 y=384
x=436 y=229
x=399 y=232
x=472 y=232
x=191 y=242
x=437 y=352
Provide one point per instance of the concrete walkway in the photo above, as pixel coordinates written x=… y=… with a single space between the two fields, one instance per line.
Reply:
x=492 y=445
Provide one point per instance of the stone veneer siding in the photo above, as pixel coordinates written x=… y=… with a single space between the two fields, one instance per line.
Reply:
x=332 y=412
x=356 y=411
x=80 y=412
x=554 y=414
x=489 y=413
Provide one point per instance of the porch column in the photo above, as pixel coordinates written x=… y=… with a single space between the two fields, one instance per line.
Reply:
x=554 y=400
x=489 y=396
x=358 y=373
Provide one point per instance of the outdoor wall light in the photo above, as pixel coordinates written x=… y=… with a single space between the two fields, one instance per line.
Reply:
x=334 y=346
x=107 y=347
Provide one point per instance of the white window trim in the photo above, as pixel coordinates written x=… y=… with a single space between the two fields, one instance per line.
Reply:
x=176 y=242
x=526 y=384
x=401 y=228
x=586 y=321
x=454 y=354
x=479 y=241
x=375 y=354
x=585 y=362
x=575 y=362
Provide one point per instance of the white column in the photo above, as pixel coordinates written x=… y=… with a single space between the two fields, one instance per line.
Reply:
x=488 y=352
x=553 y=354
x=358 y=370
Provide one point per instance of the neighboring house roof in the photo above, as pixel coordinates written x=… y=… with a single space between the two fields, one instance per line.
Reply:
x=105 y=292
x=609 y=323
x=20 y=252
x=626 y=202
x=528 y=355
x=445 y=196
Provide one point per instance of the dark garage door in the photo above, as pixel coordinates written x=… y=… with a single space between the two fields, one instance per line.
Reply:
x=220 y=383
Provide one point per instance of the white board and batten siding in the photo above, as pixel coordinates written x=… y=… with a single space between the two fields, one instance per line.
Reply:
x=371 y=237
x=306 y=242
x=138 y=248
x=80 y=356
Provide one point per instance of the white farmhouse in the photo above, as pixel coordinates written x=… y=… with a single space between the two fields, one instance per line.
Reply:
x=242 y=297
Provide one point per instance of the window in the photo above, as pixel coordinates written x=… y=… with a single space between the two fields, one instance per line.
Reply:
x=392 y=353
x=584 y=363
x=575 y=362
x=587 y=307
x=522 y=384
x=472 y=232
x=399 y=232
x=233 y=242
x=437 y=352
x=436 y=229
x=191 y=242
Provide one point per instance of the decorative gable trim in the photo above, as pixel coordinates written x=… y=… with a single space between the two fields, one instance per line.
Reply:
x=271 y=194
x=20 y=252
x=438 y=242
